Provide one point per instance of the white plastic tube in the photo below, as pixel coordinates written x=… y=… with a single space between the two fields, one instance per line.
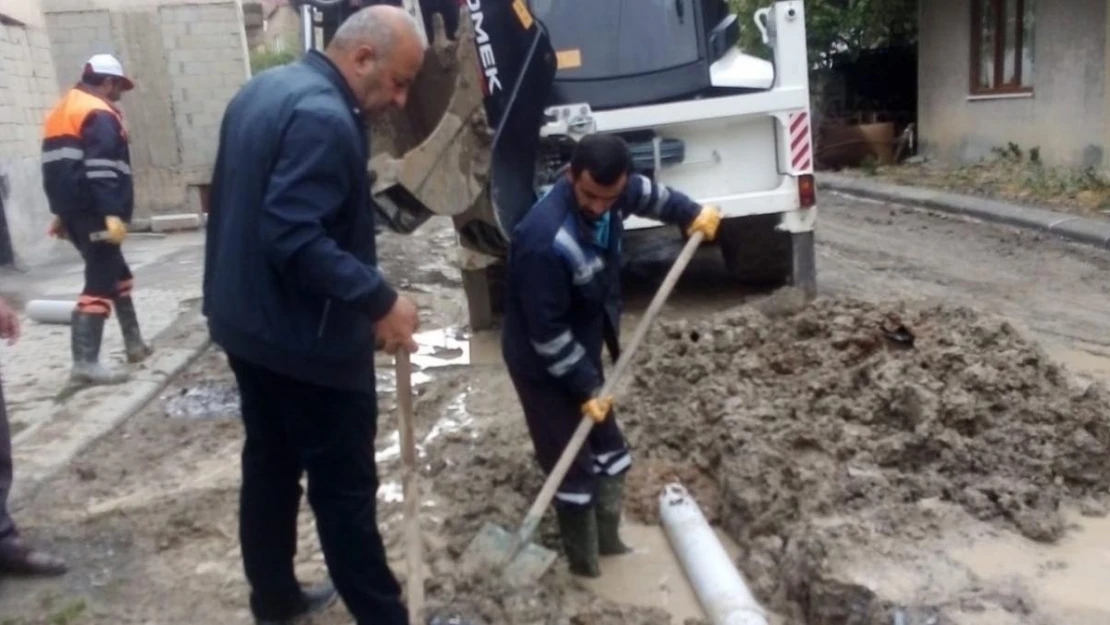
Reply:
x=719 y=586
x=50 y=310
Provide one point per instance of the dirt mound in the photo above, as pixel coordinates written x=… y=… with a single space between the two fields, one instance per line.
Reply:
x=854 y=410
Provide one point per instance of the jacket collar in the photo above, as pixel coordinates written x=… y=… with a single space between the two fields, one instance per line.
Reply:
x=320 y=63
x=592 y=233
x=83 y=89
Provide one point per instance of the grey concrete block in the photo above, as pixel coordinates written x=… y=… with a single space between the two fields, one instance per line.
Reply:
x=219 y=13
x=194 y=68
x=1084 y=230
x=179 y=221
x=181 y=14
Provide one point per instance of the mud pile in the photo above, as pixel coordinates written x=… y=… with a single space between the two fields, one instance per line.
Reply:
x=852 y=410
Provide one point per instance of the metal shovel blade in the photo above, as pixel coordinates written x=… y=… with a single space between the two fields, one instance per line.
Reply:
x=493 y=545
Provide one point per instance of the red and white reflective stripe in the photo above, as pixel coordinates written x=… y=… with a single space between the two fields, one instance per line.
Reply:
x=801 y=148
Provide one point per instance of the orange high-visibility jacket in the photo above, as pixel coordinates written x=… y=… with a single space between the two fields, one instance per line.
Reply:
x=86 y=163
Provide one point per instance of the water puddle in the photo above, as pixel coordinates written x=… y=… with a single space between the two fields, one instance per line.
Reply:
x=1086 y=363
x=207 y=399
x=391 y=492
x=455 y=419
x=651 y=576
x=445 y=347
x=392 y=449
x=1068 y=578
x=437 y=349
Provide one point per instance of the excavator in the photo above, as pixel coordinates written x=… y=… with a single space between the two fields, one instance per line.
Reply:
x=509 y=86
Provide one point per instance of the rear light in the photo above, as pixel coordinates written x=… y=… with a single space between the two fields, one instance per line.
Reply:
x=807 y=192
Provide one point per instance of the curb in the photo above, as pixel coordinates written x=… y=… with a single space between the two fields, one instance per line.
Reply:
x=1084 y=230
x=40 y=453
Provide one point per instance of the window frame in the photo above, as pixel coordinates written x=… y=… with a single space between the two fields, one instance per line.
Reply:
x=999 y=52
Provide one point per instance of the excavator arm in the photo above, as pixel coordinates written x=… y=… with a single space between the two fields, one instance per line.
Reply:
x=466 y=144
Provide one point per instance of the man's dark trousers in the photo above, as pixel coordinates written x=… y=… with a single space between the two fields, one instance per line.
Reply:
x=7 y=525
x=107 y=274
x=328 y=433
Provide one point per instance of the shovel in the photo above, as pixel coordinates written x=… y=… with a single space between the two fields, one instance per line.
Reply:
x=413 y=543
x=525 y=562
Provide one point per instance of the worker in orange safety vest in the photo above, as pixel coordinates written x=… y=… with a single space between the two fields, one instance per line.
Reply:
x=86 y=171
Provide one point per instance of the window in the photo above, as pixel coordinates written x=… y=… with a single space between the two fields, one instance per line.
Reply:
x=1001 y=46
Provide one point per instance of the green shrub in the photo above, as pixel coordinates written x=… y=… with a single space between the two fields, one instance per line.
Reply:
x=267 y=59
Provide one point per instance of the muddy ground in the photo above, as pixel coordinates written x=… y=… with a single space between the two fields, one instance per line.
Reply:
x=862 y=481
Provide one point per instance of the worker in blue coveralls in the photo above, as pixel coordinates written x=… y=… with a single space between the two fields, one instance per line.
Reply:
x=563 y=304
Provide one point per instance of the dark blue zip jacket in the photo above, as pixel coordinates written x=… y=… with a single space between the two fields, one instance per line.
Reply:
x=290 y=276
x=564 y=282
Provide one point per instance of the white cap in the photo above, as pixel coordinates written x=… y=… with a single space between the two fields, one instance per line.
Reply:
x=108 y=65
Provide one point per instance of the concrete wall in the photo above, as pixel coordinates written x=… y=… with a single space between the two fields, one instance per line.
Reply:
x=28 y=12
x=283 y=30
x=187 y=58
x=27 y=91
x=1065 y=116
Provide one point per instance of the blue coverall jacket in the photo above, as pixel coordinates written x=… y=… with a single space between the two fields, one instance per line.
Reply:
x=564 y=282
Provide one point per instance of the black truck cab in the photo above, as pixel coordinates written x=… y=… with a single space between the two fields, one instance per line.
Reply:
x=619 y=53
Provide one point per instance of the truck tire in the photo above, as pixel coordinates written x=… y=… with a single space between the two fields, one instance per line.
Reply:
x=755 y=252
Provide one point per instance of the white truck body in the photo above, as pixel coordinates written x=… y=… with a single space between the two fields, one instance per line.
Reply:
x=745 y=153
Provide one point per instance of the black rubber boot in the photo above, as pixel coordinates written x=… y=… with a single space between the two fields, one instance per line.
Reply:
x=137 y=350
x=313 y=600
x=578 y=529
x=18 y=558
x=86 y=333
x=610 y=498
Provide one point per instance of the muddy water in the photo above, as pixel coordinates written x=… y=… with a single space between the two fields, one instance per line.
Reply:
x=1067 y=580
x=1086 y=363
x=207 y=399
x=651 y=575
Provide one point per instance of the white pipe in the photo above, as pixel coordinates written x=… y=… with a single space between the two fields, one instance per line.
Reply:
x=50 y=310
x=719 y=586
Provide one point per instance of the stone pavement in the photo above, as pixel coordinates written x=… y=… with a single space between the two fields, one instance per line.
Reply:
x=48 y=429
x=1085 y=230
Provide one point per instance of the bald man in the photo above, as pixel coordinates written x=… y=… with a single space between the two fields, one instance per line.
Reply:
x=293 y=295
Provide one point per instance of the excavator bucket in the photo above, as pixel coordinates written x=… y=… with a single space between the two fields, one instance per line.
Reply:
x=432 y=158
x=466 y=144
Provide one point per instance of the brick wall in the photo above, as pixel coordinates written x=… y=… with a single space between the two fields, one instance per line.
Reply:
x=206 y=63
x=75 y=36
x=28 y=89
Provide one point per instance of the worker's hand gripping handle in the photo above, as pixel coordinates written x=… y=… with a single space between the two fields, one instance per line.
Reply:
x=535 y=513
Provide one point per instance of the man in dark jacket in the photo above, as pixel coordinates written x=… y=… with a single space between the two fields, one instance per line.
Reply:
x=293 y=295
x=17 y=557
x=86 y=173
x=563 y=304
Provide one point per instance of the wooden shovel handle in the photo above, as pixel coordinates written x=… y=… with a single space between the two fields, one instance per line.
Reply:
x=413 y=542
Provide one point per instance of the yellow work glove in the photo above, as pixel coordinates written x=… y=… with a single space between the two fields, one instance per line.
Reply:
x=117 y=231
x=57 y=229
x=707 y=222
x=597 y=408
